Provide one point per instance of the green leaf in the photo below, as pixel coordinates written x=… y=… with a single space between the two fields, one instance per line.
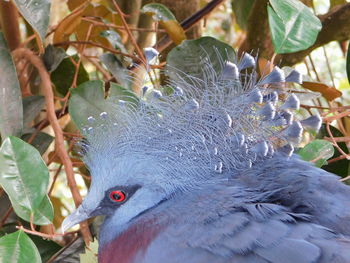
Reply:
x=41 y=141
x=317 y=151
x=32 y=105
x=42 y=215
x=53 y=56
x=18 y=248
x=159 y=12
x=348 y=63
x=293 y=26
x=187 y=58
x=118 y=92
x=115 y=66
x=23 y=173
x=114 y=39
x=37 y=14
x=340 y=167
x=63 y=76
x=242 y=9
x=11 y=112
x=88 y=100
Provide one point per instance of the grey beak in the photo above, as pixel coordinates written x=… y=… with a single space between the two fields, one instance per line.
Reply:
x=75 y=218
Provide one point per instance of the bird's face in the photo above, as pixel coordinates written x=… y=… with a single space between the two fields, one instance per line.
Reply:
x=122 y=190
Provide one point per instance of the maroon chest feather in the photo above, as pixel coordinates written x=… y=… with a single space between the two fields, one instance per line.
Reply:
x=133 y=241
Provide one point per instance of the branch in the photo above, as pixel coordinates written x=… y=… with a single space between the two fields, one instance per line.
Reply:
x=59 y=139
x=9 y=24
x=258 y=32
x=335 y=27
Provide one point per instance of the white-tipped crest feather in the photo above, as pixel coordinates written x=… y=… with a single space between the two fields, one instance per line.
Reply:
x=202 y=125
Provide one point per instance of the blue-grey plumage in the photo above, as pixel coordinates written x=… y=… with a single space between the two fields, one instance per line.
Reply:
x=280 y=211
x=206 y=174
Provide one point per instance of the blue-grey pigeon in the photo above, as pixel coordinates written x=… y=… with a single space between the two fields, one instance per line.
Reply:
x=204 y=172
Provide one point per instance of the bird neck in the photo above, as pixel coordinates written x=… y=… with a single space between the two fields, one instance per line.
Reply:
x=130 y=241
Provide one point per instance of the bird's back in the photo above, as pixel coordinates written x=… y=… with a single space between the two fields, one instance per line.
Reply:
x=248 y=219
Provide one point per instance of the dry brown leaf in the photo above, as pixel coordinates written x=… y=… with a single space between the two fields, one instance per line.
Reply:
x=68 y=25
x=330 y=93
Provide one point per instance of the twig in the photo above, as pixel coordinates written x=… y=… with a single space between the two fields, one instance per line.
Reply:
x=132 y=39
x=338 y=139
x=7 y=214
x=337 y=116
x=98 y=23
x=347 y=156
x=54 y=179
x=51 y=114
x=40 y=234
x=65 y=43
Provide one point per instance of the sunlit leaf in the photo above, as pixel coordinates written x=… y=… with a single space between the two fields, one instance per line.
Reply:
x=330 y=93
x=23 y=173
x=317 y=151
x=42 y=215
x=63 y=76
x=189 y=57
x=68 y=25
x=84 y=31
x=37 y=14
x=11 y=112
x=166 y=19
x=18 y=248
x=293 y=26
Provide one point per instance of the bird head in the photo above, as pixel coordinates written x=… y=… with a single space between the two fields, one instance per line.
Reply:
x=149 y=149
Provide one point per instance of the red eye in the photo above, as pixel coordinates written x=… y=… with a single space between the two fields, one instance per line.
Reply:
x=117 y=196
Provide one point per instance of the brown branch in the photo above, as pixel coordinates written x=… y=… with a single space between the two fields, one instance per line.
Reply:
x=112 y=50
x=258 y=36
x=131 y=36
x=9 y=24
x=59 y=139
x=138 y=29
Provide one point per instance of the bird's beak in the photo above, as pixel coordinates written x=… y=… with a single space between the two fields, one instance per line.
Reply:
x=74 y=218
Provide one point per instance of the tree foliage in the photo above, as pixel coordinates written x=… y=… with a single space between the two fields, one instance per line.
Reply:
x=56 y=75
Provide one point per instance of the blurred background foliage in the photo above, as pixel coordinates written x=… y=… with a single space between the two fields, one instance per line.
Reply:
x=60 y=59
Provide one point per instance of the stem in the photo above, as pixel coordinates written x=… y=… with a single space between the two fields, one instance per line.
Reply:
x=59 y=142
x=131 y=36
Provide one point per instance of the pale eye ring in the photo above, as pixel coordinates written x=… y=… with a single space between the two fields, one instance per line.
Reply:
x=117 y=196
